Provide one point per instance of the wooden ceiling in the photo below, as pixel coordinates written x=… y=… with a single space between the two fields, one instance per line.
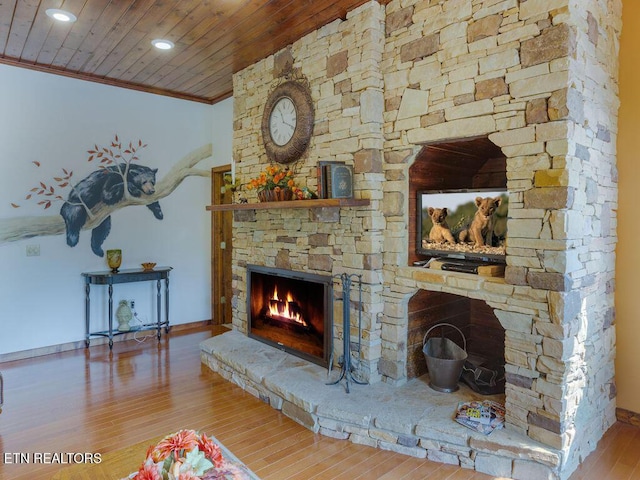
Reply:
x=111 y=41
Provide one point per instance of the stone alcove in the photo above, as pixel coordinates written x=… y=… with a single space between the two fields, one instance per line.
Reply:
x=464 y=164
x=476 y=320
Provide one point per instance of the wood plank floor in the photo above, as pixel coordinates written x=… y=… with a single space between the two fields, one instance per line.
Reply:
x=98 y=401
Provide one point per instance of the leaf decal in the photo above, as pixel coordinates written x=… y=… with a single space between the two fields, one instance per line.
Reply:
x=105 y=155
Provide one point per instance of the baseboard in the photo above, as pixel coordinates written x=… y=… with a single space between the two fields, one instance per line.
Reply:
x=626 y=416
x=65 y=347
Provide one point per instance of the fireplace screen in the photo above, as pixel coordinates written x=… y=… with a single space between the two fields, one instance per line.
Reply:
x=291 y=311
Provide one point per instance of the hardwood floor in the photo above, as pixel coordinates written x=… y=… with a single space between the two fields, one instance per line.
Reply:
x=98 y=401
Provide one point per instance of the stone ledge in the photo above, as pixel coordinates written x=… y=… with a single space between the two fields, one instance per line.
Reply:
x=383 y=415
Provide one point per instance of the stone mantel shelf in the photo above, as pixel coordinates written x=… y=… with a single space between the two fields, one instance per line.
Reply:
x=318 y=203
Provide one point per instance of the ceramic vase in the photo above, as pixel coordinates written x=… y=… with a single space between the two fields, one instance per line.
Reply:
x=114 y=259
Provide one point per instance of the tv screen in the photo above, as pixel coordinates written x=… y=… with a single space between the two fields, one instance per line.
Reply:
x=469 y=224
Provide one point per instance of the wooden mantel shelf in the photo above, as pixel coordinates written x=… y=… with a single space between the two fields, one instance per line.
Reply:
x=318 y=203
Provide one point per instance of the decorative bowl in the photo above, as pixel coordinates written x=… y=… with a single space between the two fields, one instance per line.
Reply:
x=148 y=265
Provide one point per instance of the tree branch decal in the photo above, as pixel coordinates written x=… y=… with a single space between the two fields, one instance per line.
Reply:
x=118 y=176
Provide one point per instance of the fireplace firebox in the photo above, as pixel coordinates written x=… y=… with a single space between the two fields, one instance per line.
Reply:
x=291 y=311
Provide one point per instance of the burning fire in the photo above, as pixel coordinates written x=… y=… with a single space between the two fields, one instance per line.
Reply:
x=285 y=309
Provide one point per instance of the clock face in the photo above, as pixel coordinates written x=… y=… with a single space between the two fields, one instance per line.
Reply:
x=283 y=120
x=287 y=121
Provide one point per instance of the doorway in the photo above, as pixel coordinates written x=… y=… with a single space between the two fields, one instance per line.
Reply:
x=221 y=248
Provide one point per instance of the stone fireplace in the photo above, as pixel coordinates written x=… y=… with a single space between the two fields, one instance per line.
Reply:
x=537 y=79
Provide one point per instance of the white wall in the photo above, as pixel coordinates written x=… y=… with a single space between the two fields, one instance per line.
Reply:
x=54 y=120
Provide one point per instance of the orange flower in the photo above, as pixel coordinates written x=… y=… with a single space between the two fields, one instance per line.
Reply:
x=184 y=440
x=148 y=471
x=271 y=178
x=210 y=450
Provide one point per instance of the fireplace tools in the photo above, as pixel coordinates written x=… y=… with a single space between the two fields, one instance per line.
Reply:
x=346 y=369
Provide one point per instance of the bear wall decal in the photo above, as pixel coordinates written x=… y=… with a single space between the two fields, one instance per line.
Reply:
x=117 y=183
x=106 y=185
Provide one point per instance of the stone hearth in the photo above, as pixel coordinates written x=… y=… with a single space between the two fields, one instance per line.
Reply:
x=537 y=79
x=411 y=419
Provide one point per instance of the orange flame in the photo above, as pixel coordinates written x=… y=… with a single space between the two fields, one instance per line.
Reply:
x=282 y=308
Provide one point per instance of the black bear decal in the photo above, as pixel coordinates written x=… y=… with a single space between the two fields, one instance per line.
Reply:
x=105 y=186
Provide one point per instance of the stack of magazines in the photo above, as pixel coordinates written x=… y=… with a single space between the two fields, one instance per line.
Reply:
x=481 y=416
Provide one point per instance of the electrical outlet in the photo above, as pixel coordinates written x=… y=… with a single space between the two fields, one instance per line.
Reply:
x=133 y=304
x=33 y=250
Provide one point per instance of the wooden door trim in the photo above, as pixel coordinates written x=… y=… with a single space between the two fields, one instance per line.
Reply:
x=221 y=223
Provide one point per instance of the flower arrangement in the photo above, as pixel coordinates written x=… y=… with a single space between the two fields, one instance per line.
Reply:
x=273 y=177
x=187 y=455
x=277 y=183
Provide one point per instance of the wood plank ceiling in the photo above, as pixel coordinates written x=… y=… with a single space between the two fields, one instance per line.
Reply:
x=111 y=41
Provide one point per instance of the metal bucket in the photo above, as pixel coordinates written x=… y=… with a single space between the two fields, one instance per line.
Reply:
x=444 y=360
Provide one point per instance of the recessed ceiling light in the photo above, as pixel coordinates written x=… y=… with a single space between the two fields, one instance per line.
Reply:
x=61 y=15
x=162 y=44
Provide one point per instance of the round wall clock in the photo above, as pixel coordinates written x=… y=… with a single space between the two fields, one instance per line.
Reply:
x=287 y=122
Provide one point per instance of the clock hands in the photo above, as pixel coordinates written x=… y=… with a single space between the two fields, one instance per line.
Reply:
x=284 y=120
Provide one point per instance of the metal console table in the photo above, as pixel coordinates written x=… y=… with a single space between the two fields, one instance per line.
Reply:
x=126 y=276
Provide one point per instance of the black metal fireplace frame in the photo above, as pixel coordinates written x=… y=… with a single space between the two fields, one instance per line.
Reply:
x=325 y=281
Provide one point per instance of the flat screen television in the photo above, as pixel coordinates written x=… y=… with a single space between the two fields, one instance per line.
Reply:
x=461 y=208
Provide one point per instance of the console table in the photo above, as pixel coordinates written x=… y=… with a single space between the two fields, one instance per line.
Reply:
x=125 y=276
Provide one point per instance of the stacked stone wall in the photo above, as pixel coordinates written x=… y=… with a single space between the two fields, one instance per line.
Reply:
x=590 y=159
x=539 y=78
x=341 y=63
